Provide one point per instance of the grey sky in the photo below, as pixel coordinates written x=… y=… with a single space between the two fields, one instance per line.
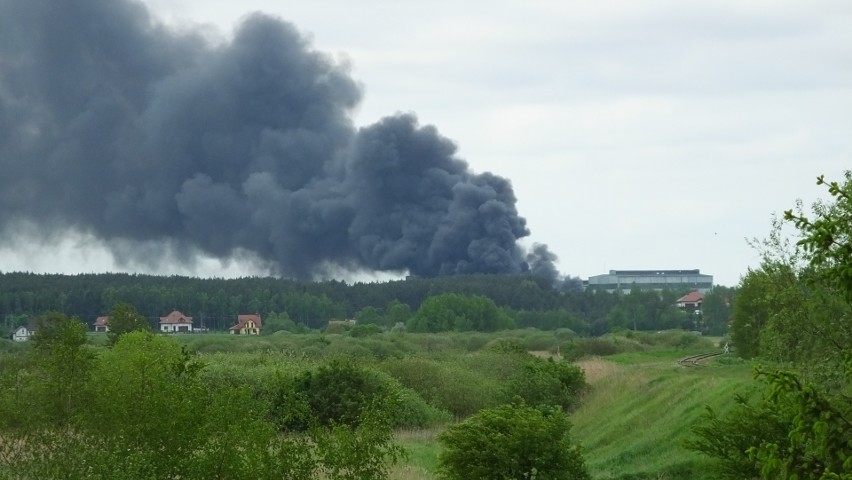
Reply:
x=636 y=134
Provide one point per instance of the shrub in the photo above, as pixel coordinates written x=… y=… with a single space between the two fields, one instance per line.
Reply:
x=446 y=384
x=364 y=330
x=548 y=383
x=598 y=346
x=506 y=345
x=337 y=393
x=728 y=438
x=511 y=442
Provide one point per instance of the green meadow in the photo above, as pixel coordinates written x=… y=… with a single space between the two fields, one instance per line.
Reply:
x=631 y=420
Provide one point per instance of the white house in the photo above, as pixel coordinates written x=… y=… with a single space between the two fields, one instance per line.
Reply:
x=22 y=334
x=176 y=322
x=102 y=324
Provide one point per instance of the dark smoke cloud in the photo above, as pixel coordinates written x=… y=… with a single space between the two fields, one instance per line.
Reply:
x=115 y=125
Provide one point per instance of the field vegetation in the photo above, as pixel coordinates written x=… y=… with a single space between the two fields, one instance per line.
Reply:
x=447 y=379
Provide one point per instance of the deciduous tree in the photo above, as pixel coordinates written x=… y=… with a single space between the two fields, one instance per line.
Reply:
x=123 y=318
x=510 y=442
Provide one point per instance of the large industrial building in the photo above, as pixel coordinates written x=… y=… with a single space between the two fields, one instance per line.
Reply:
x=624 y=280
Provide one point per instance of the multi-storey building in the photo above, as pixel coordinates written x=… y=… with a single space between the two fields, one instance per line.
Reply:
x=624 y=280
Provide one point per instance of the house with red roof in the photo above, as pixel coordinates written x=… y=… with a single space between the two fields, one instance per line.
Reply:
x=691 y=301
x=101 y=324
x=247 y=325
x=176 y=322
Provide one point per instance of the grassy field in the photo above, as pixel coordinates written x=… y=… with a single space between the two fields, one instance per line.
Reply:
x=633 y=422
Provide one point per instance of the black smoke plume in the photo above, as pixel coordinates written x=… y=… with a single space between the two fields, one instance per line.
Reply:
x=116 y=125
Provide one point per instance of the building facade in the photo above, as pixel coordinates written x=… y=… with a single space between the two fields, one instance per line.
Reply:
x=247 y=325
x=625 y=280
x=176 y=322
x=102 y=324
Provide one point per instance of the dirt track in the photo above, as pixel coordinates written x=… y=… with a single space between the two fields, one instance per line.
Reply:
x=695 y=360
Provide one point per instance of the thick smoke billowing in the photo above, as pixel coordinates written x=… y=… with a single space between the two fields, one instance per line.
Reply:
x=115 y=125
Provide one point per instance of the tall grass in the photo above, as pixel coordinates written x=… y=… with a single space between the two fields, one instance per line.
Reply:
x=638 y=413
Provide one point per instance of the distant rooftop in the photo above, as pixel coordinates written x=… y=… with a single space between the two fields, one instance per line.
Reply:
x=645 y=273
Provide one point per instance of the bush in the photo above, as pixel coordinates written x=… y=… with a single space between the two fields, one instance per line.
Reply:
x=794 y=431
x=337 y=393
x=365 y=330
x=506 y=345
x=415 y=412
x=511 y=442
x=446 y=384
x=598 y=346
x=728 y=438
x=548 y=383
x=151 y=411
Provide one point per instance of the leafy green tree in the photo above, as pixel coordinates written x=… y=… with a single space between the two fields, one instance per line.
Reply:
x=123 y=318
x=338 y=393
x=717 y=309
x=510 y=442
x=461 y=313
x=147 y=394
x=397 y=313
x=276 y=322
x=751 y=311
x=370 y=315
x=797 y=309
x=827 y=234
x=62 y=364
x=362 y=452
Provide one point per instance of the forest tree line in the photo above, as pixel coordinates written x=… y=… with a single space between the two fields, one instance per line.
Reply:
x=522 y=301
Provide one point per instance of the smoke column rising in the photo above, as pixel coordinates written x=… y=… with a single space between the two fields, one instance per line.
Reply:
x=115 y=125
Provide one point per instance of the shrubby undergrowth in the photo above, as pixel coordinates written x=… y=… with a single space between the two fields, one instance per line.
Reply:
x=271 y=406
x=142 y=409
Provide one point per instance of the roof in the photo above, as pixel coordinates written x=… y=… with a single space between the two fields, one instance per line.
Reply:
x=644 y=273
x=243 y=319
x=101 y=321
x=176 y=317
x=691 y=297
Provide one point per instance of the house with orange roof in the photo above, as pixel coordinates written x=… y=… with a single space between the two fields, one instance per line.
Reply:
x=176 y=322
x=691 y=301
x=101 y=324
x=247 y=325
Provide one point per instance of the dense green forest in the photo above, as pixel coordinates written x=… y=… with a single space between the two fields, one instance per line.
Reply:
x=523 y=301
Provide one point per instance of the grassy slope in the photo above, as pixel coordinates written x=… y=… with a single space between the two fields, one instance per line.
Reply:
x=633 y=422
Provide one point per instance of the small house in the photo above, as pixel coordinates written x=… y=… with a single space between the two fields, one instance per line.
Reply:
x=101 y=324
x=176 y=322
x=691 y=301
x=21 y=334
x=247 y=325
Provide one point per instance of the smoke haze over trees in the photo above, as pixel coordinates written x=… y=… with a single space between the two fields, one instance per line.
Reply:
x=155 y=140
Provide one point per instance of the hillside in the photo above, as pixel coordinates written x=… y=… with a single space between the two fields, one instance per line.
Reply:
x=633 y=422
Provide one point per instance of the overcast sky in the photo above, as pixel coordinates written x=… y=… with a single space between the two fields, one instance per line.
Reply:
x=636 y=134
